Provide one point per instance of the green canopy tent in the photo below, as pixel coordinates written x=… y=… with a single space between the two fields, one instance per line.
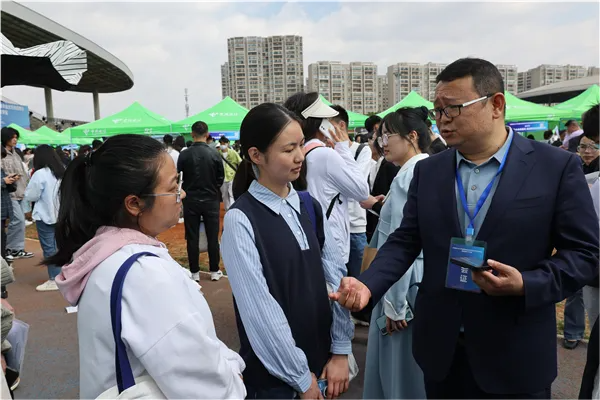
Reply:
x=355 y=120
x=413 y=99
x=26 y=137
x=224 y=117
x=52 y=137
x=520 y=110
x=134 y=119
x=76 y=140
x=580 y=103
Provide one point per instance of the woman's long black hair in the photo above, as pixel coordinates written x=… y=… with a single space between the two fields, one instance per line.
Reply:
x=93 y=190
x=46 y=157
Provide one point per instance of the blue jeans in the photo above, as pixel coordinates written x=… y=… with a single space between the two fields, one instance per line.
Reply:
x=358 y=242
x=281 y=392
x=48 y=243
x=574 y=317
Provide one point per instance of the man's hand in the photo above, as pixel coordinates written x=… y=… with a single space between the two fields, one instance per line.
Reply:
x=337 y=373
x=339 y=135
x=391 y=326
x=7 y=305
x=507 y=282
x=371 y=201
x=352 y=294
x=313 y=391
x=9 y=180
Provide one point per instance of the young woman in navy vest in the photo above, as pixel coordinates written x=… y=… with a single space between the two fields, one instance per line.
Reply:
x=279 y=264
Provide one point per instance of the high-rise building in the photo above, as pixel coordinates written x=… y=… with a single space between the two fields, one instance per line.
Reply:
x=406 y=77
x=593 y=71
x=225 y=83
x=383 y=99
x=264 y=69
x=353 y=86
x=547 y=74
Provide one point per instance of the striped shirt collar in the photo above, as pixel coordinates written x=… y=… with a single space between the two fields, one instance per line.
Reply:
x=273 y=201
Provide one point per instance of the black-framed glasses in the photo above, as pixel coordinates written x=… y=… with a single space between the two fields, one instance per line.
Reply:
x=453 y=111
x=585 y=147
x=177 y=194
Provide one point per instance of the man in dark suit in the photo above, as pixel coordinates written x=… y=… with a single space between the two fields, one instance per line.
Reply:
x=501 y=341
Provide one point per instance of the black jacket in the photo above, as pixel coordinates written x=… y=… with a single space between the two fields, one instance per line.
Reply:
x=383 y=181
x=203 y=173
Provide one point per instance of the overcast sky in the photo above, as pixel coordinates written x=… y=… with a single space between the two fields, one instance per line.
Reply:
x=172 y=46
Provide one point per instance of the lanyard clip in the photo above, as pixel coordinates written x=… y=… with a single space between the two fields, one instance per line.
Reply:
x=469 y=235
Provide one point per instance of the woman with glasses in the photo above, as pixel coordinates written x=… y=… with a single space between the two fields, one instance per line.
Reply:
x=113 y=205
x=391 y=371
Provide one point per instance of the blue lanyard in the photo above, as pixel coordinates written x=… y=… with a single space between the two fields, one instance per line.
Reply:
x=470 y=230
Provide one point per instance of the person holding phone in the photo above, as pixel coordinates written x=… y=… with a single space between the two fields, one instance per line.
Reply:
x=280 y=261
x=391 y=370
x=6 y=210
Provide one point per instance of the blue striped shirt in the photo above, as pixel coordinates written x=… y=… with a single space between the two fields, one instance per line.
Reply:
x=265 y=323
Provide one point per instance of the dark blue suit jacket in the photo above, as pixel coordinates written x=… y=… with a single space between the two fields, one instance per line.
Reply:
x=542 y=202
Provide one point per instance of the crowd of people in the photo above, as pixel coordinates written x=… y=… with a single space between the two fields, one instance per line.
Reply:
x=453 y=249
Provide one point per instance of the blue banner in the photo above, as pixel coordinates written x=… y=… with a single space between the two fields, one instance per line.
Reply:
x=14 y=114
x=231 y=135
x=523 y=127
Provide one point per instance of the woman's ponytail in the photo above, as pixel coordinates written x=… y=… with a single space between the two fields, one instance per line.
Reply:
x=243 y=178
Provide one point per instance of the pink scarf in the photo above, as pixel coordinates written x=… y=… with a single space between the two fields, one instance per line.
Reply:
x=105 y=243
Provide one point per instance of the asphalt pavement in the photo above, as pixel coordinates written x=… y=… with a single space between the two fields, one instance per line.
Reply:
x=51 y=365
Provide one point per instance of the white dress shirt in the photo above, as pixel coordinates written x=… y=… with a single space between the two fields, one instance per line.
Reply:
x=167 y=327
x=358 y=215
x=331 y=172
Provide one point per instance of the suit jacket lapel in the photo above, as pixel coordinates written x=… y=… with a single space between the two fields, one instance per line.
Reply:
x=519 y=162
x=447 y=191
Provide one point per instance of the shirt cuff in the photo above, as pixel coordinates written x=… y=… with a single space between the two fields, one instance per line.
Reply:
x=342 y=347
x=304 y=382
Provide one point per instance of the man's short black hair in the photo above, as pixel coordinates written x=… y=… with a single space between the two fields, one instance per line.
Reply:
x=223 y=139
x=548 y=134
x=8 y=134
x=209 y=138
x=591 y=123
x=371 y=122
x=168 y=139
x=571 y=122
x=342 y=114
x=189 y=143
x=199 y=128
x=486 y=77
x=96 y=144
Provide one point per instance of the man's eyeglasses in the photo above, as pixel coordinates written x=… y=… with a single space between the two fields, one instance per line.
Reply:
x=454 y=110
x=585 y=147
x=177 y=194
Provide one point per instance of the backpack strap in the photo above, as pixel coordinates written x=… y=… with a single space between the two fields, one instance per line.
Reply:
x=309 y=205
x=332 y=203
x=308 y=148
x=360 y=148
x=311 y=146
x=125 y=378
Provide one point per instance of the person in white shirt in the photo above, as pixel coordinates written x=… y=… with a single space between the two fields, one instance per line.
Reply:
x=361 y=152
x=168 y=139
x=42 y=190
x=113 y=205
x=333 y=177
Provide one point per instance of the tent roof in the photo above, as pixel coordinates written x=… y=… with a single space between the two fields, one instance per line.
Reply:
x=135 y=119
x=581 y=103
x=521 y=110
x=226 y=115
x=413 y=99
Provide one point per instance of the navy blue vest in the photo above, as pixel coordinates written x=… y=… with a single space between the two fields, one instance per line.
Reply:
x=297 y=282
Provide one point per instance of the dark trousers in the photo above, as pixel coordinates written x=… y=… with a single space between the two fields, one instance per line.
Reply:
x=194 y=213
x=574 y=316
x=280 y=392
x=3 y=244
x=460 y=383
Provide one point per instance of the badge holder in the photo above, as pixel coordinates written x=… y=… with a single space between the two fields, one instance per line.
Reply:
x=464 y=256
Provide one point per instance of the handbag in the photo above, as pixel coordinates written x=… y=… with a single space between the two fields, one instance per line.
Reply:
x=309 y=206
x=368 y=257
x=128 y=387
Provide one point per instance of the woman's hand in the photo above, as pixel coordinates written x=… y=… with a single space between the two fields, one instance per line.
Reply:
x=371 y=201
x=392 y=326
x=9 y=180
x=337 y=373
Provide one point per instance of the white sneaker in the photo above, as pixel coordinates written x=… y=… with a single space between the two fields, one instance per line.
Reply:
x=27 y=222
x=47 y=286
x=358 y=321
x=196 y=276
x=180 y=221
x=215 y=276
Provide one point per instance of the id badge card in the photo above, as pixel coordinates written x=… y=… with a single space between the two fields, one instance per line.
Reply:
x=462 y=254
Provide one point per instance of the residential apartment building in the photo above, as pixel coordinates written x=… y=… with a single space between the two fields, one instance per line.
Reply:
x=383 y=98
x=263 y=69
x=225 y=83
x=353 y=86
x=547 y=74
x=404 y=78
x=510 y=77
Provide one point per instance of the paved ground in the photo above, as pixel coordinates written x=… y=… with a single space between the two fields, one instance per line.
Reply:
x=51 y=362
